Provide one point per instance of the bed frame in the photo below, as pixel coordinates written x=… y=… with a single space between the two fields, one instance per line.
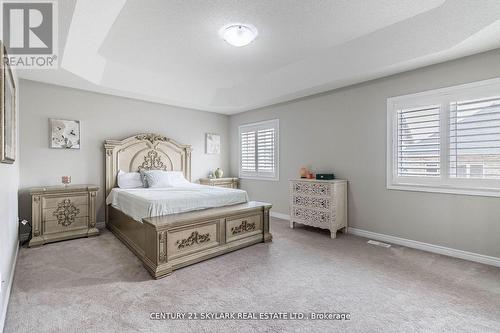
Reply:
x=165 y=243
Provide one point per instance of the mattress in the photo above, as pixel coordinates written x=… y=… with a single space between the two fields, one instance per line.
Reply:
x=148 y=202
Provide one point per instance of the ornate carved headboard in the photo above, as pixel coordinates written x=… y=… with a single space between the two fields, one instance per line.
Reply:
x=145 y=151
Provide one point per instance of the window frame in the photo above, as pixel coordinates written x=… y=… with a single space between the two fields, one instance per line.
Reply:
x=272 y=123
x=444 y=183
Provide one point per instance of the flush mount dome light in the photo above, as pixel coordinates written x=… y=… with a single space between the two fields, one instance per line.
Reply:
x=238 y=34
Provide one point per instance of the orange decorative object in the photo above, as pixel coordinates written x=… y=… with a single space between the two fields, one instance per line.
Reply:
x=303 y=172
x=310 y=175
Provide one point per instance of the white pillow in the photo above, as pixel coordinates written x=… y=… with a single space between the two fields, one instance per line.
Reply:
x=129 y=180
x=177 y=179
x=160 y=178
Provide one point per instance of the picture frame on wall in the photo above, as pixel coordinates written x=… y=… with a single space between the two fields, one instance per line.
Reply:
x=212 y=143
x=64 y=134
x=8 y=128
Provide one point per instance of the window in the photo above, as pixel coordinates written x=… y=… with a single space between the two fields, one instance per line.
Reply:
x=446 y=140
x=418 y=142
x=259 y=150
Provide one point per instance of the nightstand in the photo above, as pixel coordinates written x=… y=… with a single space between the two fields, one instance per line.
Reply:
x=220 y=182
x=62 y=212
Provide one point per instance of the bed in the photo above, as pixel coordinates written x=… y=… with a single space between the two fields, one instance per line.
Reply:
x=171 y=228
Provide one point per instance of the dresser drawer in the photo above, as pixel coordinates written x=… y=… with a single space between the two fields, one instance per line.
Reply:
x=311 y=216
x=243 y=226
x=53 y=202
x=225 y=185
x=220 y=182
x=325 y=203
x=193 y=238
x=55 y=226
x=65 y=210
x=311 y=188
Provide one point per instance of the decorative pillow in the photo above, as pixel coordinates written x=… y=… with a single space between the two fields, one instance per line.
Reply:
x=160 y=178
x=143 y=177
x=129 y=180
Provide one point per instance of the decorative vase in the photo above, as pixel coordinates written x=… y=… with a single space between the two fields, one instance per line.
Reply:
x=66 y=180
x=218 y=173
x=303 y=172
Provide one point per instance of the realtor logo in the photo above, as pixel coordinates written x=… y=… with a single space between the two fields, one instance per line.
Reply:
x=29 y=32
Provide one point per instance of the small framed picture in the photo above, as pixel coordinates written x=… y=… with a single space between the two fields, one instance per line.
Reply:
x=64 y=134
x=8 y=129
x=212 y=143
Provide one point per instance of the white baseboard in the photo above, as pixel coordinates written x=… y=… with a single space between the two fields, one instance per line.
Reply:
x=471 y=256
x=8 y=289
x=280 y=215
x=483 y=259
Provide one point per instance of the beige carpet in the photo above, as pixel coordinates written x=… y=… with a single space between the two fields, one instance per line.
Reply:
x=77 y=286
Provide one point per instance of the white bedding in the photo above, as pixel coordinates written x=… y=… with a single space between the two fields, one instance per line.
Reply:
x=147 y=202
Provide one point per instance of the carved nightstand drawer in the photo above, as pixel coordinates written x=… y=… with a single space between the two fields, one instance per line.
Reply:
x=181 y=241
x=54 y=226
x=54 y=202
x=63 y=212
x=220 y=182
x=242 y=227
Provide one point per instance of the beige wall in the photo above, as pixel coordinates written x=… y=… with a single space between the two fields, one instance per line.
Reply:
x=9 y=182
x=344 y=131
x=103 y=117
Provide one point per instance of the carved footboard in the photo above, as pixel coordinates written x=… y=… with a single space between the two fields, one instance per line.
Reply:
x=165 y=243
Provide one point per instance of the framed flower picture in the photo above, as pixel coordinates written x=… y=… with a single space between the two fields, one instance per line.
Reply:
x=8 y=132
x=64 y=134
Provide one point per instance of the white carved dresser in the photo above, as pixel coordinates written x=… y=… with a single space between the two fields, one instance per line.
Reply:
x=63 y=212
x=319 y=203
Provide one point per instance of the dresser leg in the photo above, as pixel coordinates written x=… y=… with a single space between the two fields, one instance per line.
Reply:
x=291 y=224
x=268 y=237
x=36 y=241
x=333 y=234
x=160 y=271
x=92 y=232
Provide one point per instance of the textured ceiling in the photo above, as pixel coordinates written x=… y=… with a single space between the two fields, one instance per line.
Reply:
x=170 y=51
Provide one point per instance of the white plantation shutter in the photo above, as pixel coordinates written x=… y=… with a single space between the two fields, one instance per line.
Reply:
x=446 y=140
x=474 y=136
x=248 y=152
x=265 y=149
x=259 y=150
x=418 y=153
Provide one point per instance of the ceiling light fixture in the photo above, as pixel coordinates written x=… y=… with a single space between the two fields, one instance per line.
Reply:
x=238 y=34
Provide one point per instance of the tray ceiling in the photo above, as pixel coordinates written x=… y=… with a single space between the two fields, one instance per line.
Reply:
x=170 y=51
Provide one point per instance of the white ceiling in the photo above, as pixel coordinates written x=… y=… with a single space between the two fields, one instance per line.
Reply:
x=170 y=51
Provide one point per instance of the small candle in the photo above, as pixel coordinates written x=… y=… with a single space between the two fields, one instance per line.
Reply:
x=66 y=180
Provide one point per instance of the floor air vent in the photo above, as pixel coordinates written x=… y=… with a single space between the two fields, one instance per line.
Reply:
x=373 y=242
